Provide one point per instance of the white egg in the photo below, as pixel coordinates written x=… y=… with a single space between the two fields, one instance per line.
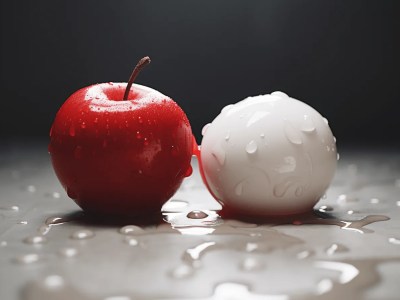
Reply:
x=268 y=155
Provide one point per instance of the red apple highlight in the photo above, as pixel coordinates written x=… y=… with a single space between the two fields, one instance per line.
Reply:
x=121 y=150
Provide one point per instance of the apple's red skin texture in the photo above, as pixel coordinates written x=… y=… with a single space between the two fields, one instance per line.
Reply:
x=120 y=157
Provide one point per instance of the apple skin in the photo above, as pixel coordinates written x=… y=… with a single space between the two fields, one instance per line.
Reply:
x=116 y=157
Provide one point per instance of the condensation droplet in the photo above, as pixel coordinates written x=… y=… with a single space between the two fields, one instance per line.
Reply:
x=205 y=128
x=35 y=240
x=96 y=120
x=251 y=147
x=138 y=135
x=394 y=241
x=83 y=125
x=140 y=120
x=71 y=130
x=262 y=135
x=27 y=258
x=197 y=214
x=68 y=252
x=130 y=229
x=82 y=234
x=31 y=188
x=292 y=134
x=307 y=125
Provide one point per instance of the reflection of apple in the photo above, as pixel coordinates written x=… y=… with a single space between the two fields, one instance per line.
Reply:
x=268 y=155
x=121 y=154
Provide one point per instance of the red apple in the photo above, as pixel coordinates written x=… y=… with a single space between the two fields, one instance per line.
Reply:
x=119 y=150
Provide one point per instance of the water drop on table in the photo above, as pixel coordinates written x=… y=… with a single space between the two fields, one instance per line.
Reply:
x=56 y=195
x=374 y=201
x=10 y=208
x=251 y=147
x=182 y=271
x=82 y=234
x=31 y=188
x=197 y=214
x=22 y=222
x=304 y=254
x=394 y=241
x=3 y=243
x=251 y=264
x=35 y=240
x=27 y=258
x=130 y=229
x=68 y=252
x=325 y=208
x=131 y=241
x=336 y=248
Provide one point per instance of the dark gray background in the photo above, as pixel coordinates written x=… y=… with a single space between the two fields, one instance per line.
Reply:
x=341 y=57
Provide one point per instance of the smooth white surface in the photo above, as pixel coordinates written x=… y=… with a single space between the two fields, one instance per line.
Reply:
x=268 y=154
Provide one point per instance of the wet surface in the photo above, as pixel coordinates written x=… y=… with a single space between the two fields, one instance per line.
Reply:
x=347 y=248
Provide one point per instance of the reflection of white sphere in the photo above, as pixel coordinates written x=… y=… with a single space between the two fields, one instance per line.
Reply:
x=268 y=155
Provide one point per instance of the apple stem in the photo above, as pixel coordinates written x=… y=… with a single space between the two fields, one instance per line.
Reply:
x=139 y=67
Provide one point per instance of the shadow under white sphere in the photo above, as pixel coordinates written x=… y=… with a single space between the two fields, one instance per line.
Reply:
x=268 y=155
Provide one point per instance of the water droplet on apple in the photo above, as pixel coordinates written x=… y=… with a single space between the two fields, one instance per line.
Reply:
x=308 y=125
x=197 y=214
x=227 y=136
x=83 y=125
x=138 y=135
x=292 y=135
x=71 y=130
x=140 y=120
x=126 y=124
x=251 y=147
x=239 y=188
x=104 y=143
x=145 y=142
x=35 y=240
x=82 y=234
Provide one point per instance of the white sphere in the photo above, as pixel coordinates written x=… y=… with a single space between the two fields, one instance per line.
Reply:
x=268 y=155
